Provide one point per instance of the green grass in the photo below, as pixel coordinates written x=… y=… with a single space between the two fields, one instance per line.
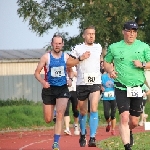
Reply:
x=141 y=142
x=16 y=114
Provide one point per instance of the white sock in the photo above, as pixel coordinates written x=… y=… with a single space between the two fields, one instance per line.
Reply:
x=67 y=128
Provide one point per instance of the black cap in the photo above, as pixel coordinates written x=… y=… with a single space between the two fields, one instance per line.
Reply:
x=130 y=25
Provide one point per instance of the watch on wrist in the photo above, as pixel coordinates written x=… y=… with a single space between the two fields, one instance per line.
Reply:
x=143 y=64
x=79 y=58
x=71 y=79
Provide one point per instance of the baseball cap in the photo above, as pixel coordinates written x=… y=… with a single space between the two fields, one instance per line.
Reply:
x=130 y=25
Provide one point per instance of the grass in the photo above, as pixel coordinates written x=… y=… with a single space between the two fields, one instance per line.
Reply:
x=115 y=143
x=22 y=113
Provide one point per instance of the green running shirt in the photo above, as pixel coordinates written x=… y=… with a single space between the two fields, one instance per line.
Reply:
x=122 y=55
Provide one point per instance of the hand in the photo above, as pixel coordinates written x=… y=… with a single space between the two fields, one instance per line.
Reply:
x=103 y=89
x=144 y=95
x=69 y=82
x=137 y=64
x=85 y=55
x=45 y=84
x=113 y=74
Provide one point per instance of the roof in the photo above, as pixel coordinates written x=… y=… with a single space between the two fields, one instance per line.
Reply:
x=21 y=54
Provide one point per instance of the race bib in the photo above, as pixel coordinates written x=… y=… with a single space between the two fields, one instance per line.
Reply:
x=134 y=92
x=109 y=94
x=89 y=78
x=57 y=71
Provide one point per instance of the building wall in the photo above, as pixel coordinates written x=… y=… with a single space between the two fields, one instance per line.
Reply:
x=20 y=86
x=17 y=81
x=18 y=68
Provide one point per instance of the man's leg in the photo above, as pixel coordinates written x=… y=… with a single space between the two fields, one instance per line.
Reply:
x=94 y=100
x=61 y=104
x=124 y=127
x=48 y=104
x=136 y=108
x=48 y=112
x=82 y=121
x=123 y=104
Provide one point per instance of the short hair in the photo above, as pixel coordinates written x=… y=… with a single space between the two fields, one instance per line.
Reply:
x=89 y=27
x=57 y=35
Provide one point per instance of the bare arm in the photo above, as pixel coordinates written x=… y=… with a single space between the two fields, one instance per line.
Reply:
x=75 y=74
x=70 y=72
x=73 y=61
x=39 y=68
x=108 y=67
x=139 y=64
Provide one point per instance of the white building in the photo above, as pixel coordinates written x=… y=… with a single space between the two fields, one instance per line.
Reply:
x=17 y=74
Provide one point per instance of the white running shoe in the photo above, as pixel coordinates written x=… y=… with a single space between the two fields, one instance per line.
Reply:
x=76 y=132
x=67 y=132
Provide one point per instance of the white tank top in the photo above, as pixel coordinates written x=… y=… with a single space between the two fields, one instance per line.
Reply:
x=88 y=70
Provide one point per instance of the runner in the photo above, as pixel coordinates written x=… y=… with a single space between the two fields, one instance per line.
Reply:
x=130 y=57
x=55 y=90
x=87 y=59
x=109 y=102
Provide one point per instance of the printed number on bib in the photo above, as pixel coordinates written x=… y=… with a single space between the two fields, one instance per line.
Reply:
x=109 y=94
x=57 y=71
x=134 y=92
x=89 y=78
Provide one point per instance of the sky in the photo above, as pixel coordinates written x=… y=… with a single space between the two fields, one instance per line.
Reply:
x=15 y=33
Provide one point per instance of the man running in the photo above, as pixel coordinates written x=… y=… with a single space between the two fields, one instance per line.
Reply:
x=55 y=90
x=88 y=82
x=130 y=57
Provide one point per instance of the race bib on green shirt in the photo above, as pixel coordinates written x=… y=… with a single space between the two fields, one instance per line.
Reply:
x=134 y=92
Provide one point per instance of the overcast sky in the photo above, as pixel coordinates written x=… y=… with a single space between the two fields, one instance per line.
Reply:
x=15 y=34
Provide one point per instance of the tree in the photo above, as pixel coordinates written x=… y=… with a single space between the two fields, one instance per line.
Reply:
x=107 y=16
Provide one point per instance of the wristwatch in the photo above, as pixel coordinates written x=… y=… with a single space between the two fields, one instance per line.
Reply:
x=79 y=58
x=143 y=64
x=71 y=79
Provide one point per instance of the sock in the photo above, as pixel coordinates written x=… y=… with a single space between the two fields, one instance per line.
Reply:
x=82 y=121
x=67 y=128
x=93 y=123
x=56 y=138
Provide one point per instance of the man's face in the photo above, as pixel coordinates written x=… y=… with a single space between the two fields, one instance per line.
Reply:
x=57 y=44
x=129 y=35
x=89 y=36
